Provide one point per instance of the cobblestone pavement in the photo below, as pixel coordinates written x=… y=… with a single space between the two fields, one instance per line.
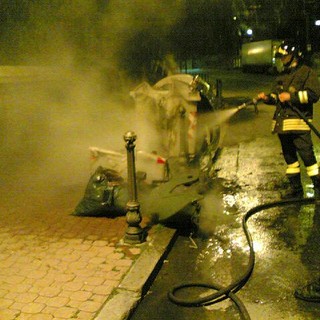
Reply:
x=56 y=266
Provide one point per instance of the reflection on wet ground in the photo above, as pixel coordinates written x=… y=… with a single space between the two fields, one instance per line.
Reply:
x=286 y=244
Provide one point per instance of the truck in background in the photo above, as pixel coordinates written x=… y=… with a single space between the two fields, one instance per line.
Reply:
x=259 y=56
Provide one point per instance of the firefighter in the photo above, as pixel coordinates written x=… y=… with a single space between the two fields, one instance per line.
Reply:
x=296 y=86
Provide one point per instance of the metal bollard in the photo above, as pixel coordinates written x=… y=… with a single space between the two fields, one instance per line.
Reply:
x=219 y=88
x=219 y=93
x=134 y=233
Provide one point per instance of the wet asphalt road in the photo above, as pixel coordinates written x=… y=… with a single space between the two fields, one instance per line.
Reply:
x=287 y=254
x=286 y=239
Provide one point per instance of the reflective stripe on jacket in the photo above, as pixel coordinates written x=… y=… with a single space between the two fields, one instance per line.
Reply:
x=304 y=88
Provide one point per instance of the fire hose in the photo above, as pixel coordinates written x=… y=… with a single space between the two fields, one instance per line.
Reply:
x=302 y=116
x=229 y=292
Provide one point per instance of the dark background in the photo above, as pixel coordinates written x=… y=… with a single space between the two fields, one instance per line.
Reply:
x=133 y=36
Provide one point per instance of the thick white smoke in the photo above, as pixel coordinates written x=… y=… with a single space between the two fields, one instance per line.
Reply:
x=49 y=121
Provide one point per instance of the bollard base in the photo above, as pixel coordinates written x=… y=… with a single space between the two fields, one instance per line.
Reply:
x=135 y=235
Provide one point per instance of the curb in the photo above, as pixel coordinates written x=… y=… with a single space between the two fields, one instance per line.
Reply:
x=135 y=284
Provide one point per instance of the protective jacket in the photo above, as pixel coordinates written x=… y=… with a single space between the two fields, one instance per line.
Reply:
x=304 y=88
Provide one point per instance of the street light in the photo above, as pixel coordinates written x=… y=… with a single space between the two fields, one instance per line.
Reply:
x=249 y=32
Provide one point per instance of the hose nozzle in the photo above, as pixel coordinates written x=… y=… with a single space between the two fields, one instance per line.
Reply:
x=253 y=102
x=242 y=106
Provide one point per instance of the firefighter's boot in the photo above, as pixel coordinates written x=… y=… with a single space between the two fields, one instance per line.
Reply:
x=316 y=185
x=295 y=190
x=310 y=292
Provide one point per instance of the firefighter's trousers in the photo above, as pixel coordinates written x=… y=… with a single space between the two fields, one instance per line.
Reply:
x=299 y=144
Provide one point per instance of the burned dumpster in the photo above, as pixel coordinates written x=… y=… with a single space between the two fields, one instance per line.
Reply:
x=177 y=104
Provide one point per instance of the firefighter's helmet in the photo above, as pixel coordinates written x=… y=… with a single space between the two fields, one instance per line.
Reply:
x=288 y=49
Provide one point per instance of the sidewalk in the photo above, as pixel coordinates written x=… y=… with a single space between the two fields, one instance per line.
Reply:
x=56 y=266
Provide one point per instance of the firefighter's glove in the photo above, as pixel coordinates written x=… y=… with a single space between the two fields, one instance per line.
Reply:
x=284 y=97
x=267 y=98
x=262 y=96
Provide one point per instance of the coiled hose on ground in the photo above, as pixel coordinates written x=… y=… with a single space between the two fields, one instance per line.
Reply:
x=223 y=293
